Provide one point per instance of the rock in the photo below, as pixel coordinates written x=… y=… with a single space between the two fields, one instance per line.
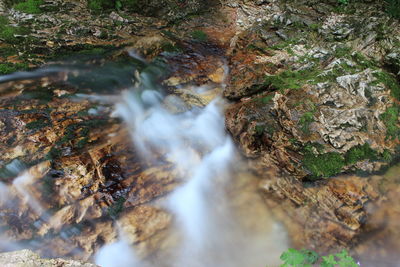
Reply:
x=322 y=92
x=27 y=258
x=315 y=90
x=169 y=9
x=146 y=226
x=392 y=60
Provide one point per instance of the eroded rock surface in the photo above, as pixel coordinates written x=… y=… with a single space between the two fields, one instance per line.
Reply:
x=311 y=93
x=305 y=94
x=27 y=258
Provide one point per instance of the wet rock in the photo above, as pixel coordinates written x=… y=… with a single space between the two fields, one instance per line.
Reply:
x=145 y=225
x=332 y=212
x=324 y=93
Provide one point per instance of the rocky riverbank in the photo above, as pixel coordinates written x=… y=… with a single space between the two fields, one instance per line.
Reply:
x=312 y=89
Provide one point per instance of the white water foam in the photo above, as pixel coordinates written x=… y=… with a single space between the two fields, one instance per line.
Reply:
x=197 y=143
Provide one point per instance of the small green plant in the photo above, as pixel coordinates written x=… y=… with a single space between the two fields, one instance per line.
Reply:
x=308 y=258
x=393 y=8
x=29 y=6
x=387 y=155
x=305 y=121
x=343 y=2
x=389 y=81
x=7 y=32
x=199 y=35
x=7 y=68
x=98 y=6
x=391 y=120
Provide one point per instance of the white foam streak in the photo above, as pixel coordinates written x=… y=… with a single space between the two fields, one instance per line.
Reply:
x=197 y=143
x=118 y=254
x=22 y=184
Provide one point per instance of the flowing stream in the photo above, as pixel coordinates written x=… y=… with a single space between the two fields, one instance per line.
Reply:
x=208 y=232
x=218 y=216
x=219 y=219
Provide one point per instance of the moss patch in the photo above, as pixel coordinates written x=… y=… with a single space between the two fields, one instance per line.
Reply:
x=390 y=81
x=101 y=5
x=323 y=165
x=36 y=125
x=29 y=6
x=7 y=68
x=289 y=79
x=305 y=121
x=391 y=120
x=360 y=152
x=199 y=35
x=393 y=8
x=8 y=32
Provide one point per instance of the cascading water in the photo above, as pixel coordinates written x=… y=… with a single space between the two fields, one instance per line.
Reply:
x=214 y=223
x=196 y=142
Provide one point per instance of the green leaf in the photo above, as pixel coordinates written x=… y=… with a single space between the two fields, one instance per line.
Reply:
x=292 y=257
x=118 y=5
x=345 y=260
x=328 y=261
x=311 y=257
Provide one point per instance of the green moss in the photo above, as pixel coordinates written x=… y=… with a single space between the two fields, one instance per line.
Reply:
x=259 y=129
x=98 y=6
x=315 y=26
x=390 y=81
x=29 y=6
x=199 y=35
x=342 y=52
x=7 y=32
x=81 y=50
x=323 y=165
x=305 y=120
x=393 y=8
x=132 y=5
x=289 y=79
x=363 y=61
x=266 y=99
x=171 y=47
x=82 y=142
x=7 y=51
x=360 y=152
x=387 y=155
x=53 y=154
x=36 y=125
x=116 y=208
x=42 y=95
x=7 y=68
x=391 y=120
x=285 y=44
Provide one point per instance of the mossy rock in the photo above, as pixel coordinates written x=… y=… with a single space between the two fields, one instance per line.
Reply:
x=167 y=9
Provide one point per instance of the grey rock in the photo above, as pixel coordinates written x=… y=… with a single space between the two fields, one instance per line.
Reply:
x=27 y=258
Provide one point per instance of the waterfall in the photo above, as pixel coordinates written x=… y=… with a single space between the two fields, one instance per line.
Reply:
x=198 y=145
